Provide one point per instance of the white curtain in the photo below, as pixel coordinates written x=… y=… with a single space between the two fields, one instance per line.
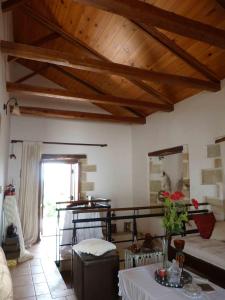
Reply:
x=28 y=196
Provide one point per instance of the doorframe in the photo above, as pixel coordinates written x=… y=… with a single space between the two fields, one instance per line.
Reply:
x=54 y=158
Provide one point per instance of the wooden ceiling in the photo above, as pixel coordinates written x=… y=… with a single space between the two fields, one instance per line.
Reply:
x=131 y=57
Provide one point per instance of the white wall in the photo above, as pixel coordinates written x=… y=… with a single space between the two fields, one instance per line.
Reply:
x=196 y=121
x=4 y=120
x=113 y=178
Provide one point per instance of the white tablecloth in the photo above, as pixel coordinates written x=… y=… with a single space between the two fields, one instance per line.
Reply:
x=139 y=284
x=82 y=234
x=11 y=215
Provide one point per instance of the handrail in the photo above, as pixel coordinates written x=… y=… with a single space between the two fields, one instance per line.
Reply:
x=85 y=210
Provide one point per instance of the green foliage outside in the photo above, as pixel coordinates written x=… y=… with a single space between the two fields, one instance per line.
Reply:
x=49 y=209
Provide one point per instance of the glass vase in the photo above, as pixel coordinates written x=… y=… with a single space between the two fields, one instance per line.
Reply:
x=165 y=245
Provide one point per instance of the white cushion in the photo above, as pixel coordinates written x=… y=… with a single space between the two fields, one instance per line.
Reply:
x=6 y=289
x=218 y=231
x=2 y=257
x=95 y=247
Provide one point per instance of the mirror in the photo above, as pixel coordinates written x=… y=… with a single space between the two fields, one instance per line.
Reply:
x=169 y=171
x=213 y=179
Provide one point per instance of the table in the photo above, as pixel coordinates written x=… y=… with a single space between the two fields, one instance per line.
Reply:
x=141 y=258
x=139 y=284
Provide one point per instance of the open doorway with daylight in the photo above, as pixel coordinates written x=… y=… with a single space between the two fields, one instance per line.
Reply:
x=60 y=182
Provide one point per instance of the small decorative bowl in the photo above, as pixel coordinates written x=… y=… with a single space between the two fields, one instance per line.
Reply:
x=192 y=290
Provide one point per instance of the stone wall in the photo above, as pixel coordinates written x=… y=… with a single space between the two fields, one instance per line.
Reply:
x=85 y=185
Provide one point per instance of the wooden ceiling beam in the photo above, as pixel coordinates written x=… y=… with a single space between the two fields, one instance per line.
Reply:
x=149 y=14
x=222 y=3
x=87 y=50
x=12 y=4
x=39 y=42
x=95 y=89
x=99 y=91
x=177 y=50
x=25 y=89
x=77 y=115
x=103 y=67
x=84 y=82
x=90 y=87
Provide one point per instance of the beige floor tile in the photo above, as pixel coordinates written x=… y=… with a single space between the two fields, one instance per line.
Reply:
x=41 y=289
x=39 y=278
x=36 y=269
x=72 y=297
x=57 y=285
x=21 y=292
x=20 y=272
x=22 y=280
x=35 y=262
x=44 y=297
x=25 y=264
x=58 y=293
x=29 y=298
x=49 y=267
x=49 y=297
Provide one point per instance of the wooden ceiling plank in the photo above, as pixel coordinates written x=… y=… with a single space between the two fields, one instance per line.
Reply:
x=25 y=89
x=12 y=4
x=222 y=3
x=158 y=17
x=47 y=38
x=77 y=115
x=88 y=50
x=104 y=67
x=55 y=28
x=177 y=50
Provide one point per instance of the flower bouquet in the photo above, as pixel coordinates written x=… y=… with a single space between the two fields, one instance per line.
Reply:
x=174 y=219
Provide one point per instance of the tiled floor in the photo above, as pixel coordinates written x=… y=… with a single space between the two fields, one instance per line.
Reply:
x=39 y=278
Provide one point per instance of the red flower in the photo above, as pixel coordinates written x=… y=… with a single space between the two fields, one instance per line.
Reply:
x=177 y=196
x=195 y=203
x=166 y=194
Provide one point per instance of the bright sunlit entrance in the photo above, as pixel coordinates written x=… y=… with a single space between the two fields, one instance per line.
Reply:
x=60 y=182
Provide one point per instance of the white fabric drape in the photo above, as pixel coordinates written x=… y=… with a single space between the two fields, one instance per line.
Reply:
x=11 y=215
x=28 y=196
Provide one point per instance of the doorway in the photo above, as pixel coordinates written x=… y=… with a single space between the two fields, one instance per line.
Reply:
x=59 y=183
